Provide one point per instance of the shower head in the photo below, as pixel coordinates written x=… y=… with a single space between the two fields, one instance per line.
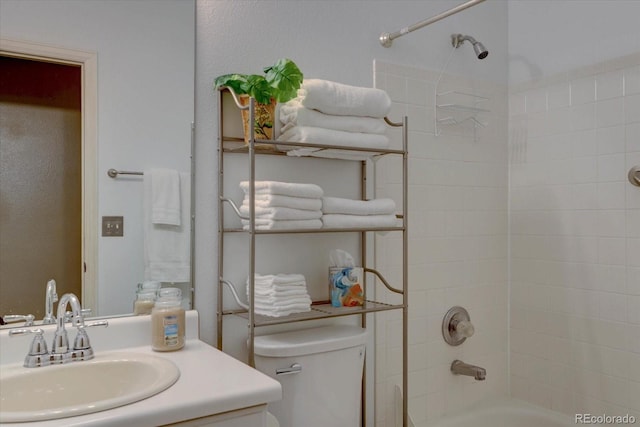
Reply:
x=478 y=48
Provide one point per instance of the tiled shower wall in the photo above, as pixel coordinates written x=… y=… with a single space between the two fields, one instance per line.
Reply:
x=575 y=240
x=457 y=245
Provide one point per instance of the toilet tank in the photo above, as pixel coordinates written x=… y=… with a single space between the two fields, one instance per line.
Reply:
x=320 y=371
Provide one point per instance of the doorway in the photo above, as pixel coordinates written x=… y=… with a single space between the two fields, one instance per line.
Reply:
x=40 y=182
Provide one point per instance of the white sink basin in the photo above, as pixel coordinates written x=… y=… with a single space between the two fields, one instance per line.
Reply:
x=108 y=381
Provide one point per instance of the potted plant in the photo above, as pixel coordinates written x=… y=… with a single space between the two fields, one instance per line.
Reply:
x=280 y=83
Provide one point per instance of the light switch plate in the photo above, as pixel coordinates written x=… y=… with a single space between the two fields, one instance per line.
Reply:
x=112 y=226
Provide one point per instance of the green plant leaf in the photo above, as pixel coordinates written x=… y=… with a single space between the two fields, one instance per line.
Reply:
x=257 y=87
x=237 y=82
x=285 y=77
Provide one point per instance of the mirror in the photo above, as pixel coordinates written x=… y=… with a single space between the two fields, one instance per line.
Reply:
x=141 y=56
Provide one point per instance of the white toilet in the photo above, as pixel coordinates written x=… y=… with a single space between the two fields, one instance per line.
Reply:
x=320 y=370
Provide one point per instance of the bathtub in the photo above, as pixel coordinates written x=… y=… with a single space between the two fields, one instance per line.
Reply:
x=505 y=413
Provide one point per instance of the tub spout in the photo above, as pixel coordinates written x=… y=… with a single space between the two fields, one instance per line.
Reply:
x=460 y=368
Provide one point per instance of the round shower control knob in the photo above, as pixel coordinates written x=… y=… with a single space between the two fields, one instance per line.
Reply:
x=465 y=328
x=457 y=326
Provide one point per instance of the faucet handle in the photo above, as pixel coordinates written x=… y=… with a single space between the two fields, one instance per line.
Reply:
x=68 y=316
x=81 y=346
x=28 y=318
x=82 y=339
x=38 y=353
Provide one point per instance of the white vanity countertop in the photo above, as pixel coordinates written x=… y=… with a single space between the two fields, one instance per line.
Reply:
x=211 y=382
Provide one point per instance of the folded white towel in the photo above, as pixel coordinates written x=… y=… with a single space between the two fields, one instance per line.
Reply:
x=277 y=303
x=165 y=196
x=339 y=138
x=282 y=311
x=293 y=113
x=274 y=224
x=276 y=200
x=280 y=278
x=358 y=221
x=338 y=205
x=280 y=213
x=291 y=189
x=331 y=154
x=273 y=293
x=343 y=100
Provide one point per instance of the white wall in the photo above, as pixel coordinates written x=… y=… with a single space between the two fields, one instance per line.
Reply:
x=574 y=131
x=334 y=40
x=145 y=107
x=547 y=37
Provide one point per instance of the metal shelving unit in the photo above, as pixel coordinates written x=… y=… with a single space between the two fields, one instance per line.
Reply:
x=319 y=309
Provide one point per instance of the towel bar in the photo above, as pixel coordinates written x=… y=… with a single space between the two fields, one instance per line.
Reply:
x=113 y=173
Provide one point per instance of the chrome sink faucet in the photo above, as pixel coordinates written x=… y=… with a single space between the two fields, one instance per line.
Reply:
x=460 y=368
x=60 y=339
x=50 y=298
x=61 y=352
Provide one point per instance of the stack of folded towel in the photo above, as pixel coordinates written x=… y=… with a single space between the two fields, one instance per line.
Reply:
x=332 y=113
x=280 y=294
x=348 y=213
x=283 y=205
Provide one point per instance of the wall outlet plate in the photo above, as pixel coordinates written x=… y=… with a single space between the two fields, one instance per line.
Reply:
x=112 y=226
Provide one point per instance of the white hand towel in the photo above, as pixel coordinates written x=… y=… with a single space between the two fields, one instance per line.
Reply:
x=332 y=137
x=337 y=205
x=293 y=113
x=291 y=189
x=343 y=100
x=276 y=200
x=271 y=224
x=358 y=221
x=165 y=196
x=280 y=213
x=167 y=247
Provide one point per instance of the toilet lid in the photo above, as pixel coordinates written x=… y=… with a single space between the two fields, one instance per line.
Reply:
x=272 y=421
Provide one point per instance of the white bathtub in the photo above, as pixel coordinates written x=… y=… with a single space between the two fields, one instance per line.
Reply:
x=506 y=413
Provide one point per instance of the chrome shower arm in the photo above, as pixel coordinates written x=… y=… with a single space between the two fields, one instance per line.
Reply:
x=387 y=38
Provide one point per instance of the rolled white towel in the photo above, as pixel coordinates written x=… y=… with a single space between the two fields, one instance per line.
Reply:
x=274 y=224
x=338 y=205
x=291 y=189
x=358 y=221
x=343 y=100
x=277 y=200
x=338 y=138
x=281 y=213
x=293 y=113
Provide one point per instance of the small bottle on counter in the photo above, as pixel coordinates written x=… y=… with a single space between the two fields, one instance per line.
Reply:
x=168 y=321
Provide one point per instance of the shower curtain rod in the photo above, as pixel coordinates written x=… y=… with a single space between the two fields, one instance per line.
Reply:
x=387 y=38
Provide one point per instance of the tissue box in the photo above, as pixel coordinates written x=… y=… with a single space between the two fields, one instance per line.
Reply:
x=345 y=286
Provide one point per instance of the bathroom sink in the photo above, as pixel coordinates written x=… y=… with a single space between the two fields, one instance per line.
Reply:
x=77 y=388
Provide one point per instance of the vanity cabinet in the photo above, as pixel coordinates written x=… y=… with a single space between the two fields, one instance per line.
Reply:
x=248 y=417
x=255 y=151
